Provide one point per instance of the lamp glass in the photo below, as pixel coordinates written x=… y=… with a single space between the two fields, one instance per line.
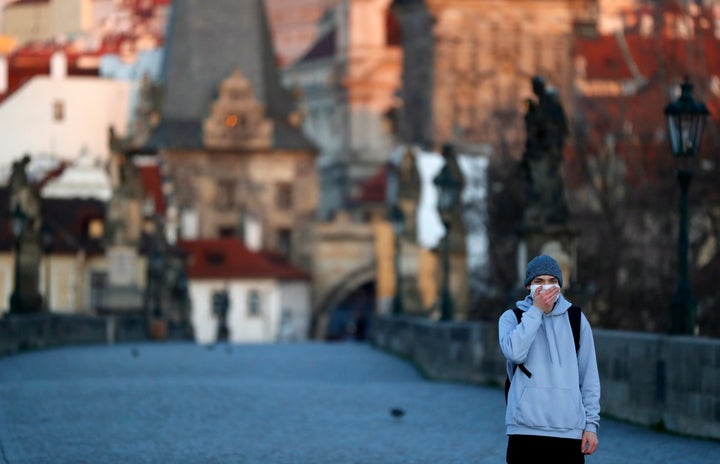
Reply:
x=685 y=123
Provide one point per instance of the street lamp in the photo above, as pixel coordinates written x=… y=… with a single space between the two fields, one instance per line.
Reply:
x=46 y=236
x=448 y=191
x=685 y=123
x=155 y=284
x=221 y=305
x=397 y=220
x=18 y=223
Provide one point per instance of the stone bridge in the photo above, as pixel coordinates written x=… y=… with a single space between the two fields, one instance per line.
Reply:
x=314 y=403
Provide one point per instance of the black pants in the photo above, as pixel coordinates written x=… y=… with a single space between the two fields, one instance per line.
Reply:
x=531 y=449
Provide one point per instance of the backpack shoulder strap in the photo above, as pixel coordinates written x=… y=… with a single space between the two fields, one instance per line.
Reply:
x=574 y=313
x=518 y=315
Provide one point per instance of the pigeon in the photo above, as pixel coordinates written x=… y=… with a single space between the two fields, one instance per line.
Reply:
x=397 y=413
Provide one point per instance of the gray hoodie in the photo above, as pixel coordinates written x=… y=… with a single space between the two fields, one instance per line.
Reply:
x=562 y=398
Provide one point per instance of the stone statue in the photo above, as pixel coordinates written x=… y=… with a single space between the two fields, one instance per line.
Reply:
x=124 y=209
x=547 y=130
x=25 y=195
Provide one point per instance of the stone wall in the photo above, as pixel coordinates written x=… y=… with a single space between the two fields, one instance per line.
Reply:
x=668 y=382
x=28 y=332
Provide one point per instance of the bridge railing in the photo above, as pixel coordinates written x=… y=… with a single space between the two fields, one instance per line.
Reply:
x=667 y=382
x=37 y=331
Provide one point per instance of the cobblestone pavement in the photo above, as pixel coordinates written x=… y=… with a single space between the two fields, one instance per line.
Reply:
x=308 y=403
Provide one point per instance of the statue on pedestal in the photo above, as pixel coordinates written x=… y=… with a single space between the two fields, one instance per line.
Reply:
x=25 y=206
x=547 y=131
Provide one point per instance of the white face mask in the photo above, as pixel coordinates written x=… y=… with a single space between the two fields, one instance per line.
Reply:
x=544 y=287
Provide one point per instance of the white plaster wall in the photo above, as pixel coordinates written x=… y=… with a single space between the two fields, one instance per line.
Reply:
x=295 y=311
x=62 y=285
x=242 y=327
x=91 y=107
x=261 y=328
x=7 y=266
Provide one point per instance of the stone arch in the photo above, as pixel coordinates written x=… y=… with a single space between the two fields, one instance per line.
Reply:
x=344 y=288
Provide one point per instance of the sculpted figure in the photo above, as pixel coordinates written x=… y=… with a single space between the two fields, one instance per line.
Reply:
x=24 y=194
x=547 y=130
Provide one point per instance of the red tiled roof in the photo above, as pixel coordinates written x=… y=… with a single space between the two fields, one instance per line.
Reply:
x=33 y=60
x=25 y=2
x=651 y=53
x=228 y=258
x=54 y=174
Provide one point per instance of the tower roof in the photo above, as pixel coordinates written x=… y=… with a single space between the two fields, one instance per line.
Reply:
x=205 y=43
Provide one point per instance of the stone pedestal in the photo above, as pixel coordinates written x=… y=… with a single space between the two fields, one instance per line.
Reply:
x=26 y=297
x=158 y=329
x=122 y=293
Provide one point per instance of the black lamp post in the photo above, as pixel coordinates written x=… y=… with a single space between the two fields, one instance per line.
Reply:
x=448 y=191
x=156 y=279
x=397 y=220
x=46 y=236
x=221 y=305
x=18 y=223
x=685 y=123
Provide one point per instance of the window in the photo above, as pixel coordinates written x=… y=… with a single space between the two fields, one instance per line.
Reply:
x=283 y=196
x=58 y=110
x=254 y=304
x=227 y=231
x=226 y=194
x=215 y=257
x=284 y=241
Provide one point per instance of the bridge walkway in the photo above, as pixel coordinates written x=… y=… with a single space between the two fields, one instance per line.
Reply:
x=302 y=403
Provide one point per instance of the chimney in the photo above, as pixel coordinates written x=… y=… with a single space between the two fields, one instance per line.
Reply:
x=3 y=74
x=58 y=65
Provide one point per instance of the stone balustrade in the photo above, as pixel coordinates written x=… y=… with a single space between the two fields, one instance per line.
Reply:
x=37 y=331
x=666 y=382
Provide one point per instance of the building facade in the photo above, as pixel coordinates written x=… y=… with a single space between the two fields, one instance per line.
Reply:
x=348 y=80
x=261 y=297
x=229 y=135
x=63 y=117
x=32 y=20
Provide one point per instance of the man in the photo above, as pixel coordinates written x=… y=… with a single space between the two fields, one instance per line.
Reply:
x=553 y=405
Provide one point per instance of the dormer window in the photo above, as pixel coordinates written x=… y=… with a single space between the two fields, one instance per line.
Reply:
x=58 y=111
x=215 y=258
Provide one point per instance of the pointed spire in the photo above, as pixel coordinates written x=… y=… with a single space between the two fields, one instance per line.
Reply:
x=206 y=41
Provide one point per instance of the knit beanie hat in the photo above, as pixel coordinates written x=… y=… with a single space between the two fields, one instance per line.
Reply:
x=543 y=265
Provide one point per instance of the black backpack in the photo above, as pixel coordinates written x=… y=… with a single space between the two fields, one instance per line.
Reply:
x=573 y=314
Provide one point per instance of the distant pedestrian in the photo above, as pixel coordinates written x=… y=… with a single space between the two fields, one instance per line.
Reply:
x=553 y=404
